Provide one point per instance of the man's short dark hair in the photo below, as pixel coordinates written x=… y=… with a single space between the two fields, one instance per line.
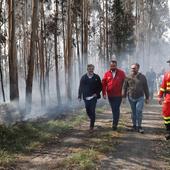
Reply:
x=113 y=62
x=138 y=65
x=90 y=65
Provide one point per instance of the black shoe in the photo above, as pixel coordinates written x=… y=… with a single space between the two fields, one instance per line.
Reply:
x=167 y=136
x=114 y=128
x=91 y=129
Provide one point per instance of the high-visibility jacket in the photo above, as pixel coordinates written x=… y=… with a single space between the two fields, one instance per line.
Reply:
x=165 y=92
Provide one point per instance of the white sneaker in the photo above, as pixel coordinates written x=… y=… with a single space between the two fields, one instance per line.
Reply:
x=140 y=130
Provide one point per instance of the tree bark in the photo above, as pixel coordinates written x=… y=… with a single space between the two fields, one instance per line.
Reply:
x=1 y=77
x=42 y=59
x=13 y=71
x=56 y=58
x=29 y=80
x=68 y=57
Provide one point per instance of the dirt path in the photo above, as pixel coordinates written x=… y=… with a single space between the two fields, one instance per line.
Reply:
x=133 y=150
x=141 y=151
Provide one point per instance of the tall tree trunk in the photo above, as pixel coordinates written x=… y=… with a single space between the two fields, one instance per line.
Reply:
x=107 y=38
x=68 y=57
x=104 y=34
x=86 y=23
x=101 y=35
x=84 y=32
x=25 y=50
x=29 y=80
x=78 y=49
x=1 y=78
x=46 y=61
x=1 y=73
x=82 y=36
x=149 y=31
x=143 y=42
x=56 y=58
x=63 y=28
x=42 y=62
x=47 y=75
x=13 y=72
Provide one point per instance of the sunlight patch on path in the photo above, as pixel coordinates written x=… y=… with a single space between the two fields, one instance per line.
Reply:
x=138 y=151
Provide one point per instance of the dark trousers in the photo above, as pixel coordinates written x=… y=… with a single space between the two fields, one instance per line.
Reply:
x=115 y=106
x=167 y=127
x=90 y=110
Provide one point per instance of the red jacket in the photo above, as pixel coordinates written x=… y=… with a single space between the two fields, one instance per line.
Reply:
x=113 y=86
x=165 y=92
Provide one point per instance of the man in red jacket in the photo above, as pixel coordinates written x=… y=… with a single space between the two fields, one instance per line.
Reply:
x=164 y=98
x=112 y=83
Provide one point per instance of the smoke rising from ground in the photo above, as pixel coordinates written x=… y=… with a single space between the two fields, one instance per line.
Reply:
x=150 y=51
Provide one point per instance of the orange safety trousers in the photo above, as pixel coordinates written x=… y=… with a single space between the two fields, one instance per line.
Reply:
x=165 y=90
x=166 y=109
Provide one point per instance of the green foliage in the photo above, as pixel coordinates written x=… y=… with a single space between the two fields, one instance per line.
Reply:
x=98 y=145
x=25 y=137
x=104 y=143
x=6 y=158
x=122 y=29
x=78 y=119
x=82 y=160
x=100 y=110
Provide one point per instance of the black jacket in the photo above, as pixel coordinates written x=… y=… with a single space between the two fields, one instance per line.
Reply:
x=89 y=86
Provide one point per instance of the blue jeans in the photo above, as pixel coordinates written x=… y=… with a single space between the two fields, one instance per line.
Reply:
x=115 y=106
x=90 y=110
x=137 y=108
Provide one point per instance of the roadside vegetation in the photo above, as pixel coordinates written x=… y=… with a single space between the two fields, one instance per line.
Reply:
x=69 y=135
x=24 y=137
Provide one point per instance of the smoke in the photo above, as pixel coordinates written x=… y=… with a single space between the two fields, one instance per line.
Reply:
x=9 y=113
x=148 y=54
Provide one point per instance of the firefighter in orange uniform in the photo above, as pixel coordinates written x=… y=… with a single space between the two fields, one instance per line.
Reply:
x=164 y=99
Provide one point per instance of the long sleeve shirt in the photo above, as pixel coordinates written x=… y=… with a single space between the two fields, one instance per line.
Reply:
x=135 y=86
x=89 y=86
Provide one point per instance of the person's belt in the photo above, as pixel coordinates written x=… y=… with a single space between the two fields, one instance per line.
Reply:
x=167 y=92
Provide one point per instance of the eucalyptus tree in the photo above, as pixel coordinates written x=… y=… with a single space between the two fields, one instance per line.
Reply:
x=2 y=41
x=152 y=23
x=122 y=28
x=12 y=53
x=32 y=52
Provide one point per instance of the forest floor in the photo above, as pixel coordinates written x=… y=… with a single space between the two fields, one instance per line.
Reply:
x=76 y=148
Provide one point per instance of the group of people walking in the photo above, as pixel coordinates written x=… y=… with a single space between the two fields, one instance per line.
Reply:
x=116 y=86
